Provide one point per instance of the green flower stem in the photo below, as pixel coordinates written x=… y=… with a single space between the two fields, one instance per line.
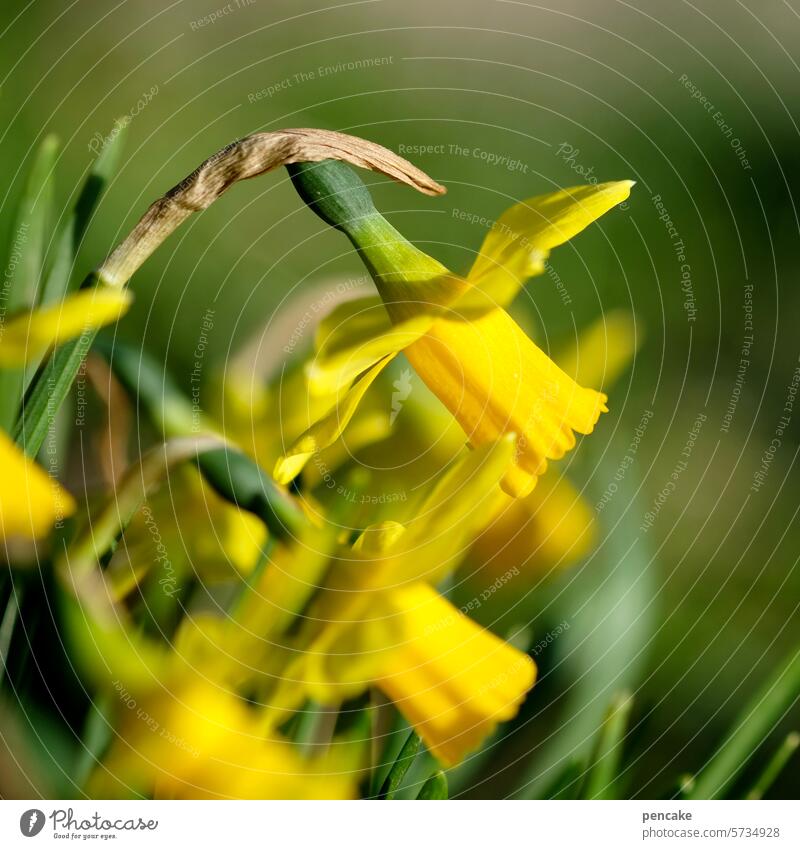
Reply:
x=234 y=475
x=755 y=722
x=403 y=274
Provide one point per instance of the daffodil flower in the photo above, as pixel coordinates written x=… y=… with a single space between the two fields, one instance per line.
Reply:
x=378 y=620
x=184 y=730
x=553 y=526
x=457 y=334
x=262 y=404
x=197 y=740
x=30 y=501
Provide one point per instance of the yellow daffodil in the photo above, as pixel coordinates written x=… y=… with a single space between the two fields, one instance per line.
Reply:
x=224 y=540
x=377 y=620
x=459 y=338
x=30 y=501
x=196 y=740
x=453 y=680
x=184 y=729
x=264 y=406
x=553 y=526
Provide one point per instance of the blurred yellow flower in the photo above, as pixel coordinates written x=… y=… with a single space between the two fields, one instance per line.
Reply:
x=30 y=501
x=553 y=526
x=377 y=620
x=196 y=740
x=28 y=335
x=453 y=680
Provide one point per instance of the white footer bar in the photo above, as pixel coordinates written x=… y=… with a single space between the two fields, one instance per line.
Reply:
x=392 y=825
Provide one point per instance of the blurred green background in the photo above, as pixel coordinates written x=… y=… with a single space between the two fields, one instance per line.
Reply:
x=500 y=101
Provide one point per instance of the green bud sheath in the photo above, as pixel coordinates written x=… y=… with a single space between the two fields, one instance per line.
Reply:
x=406 y=277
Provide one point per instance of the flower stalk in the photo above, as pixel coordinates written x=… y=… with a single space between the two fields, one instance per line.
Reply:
x=231 y=473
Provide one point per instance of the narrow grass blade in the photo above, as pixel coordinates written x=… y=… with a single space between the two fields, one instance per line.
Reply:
x=60 y=274
x=608 y=751
x=29 y=239
x=755 y=722
x=97 y=733
x=568 y=783
x=400 y=767
x=775 y=766
x=603 y=650
x=25 y=261
x=435 y=787
x=48 y=391
x=7 y=624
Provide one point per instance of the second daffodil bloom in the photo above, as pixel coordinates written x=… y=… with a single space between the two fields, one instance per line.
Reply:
x=30 y=501
x=379 y=620
x=455 y=331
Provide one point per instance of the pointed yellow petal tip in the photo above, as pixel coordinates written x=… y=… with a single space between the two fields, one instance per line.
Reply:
x=28 y=335
x=289 y=467
x=31 y=502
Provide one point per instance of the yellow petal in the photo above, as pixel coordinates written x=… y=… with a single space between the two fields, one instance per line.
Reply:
x=495 y=380
x=367 y=428
x=354 y=337
x=450 y=516
x=31 y=502
x=197 y=740
x=388 y=554
x=328 y=429
x=379 y=539
x=549 y=529
x=452 y=680
x=26 y=337
x=521 y=239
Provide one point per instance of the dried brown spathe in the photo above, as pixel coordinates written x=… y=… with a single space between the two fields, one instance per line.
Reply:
x=241 y=160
